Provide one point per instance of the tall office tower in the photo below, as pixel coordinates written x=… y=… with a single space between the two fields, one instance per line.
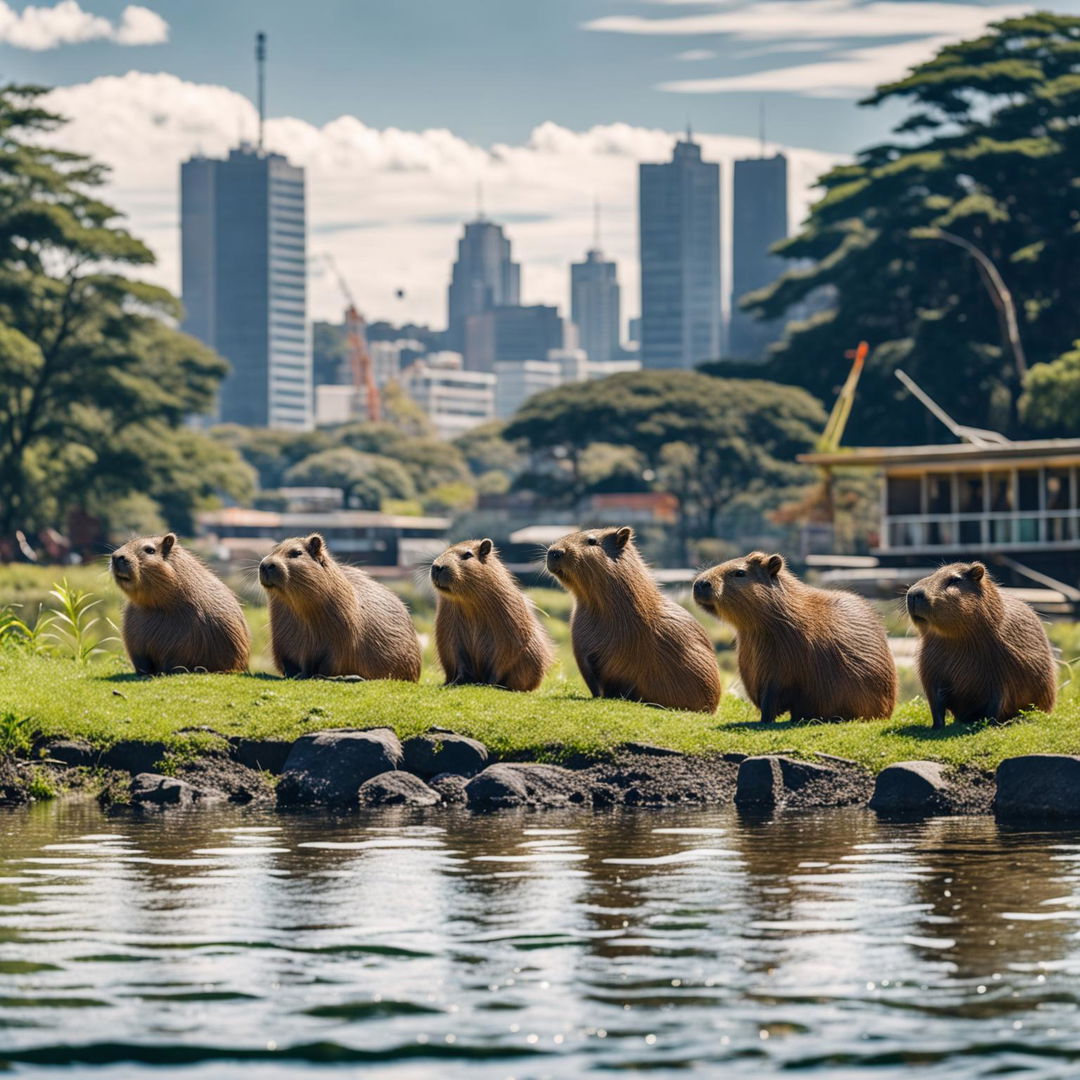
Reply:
x=511 y=334
x=594 y=306
x=679 y=222
x=484 y=277
x=760 y=219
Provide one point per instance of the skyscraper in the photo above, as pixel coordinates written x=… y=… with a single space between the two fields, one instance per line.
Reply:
x=512 y=334
x=594 y=306
x=484 y=277
x=760 y=214
x=244 y=272
x=679 y=220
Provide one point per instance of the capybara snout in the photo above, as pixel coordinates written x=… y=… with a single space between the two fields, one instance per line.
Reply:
x=918 y=603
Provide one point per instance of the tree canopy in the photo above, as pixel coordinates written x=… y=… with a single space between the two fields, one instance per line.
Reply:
x=985 y=159
x=709 y=441
x=95 y=380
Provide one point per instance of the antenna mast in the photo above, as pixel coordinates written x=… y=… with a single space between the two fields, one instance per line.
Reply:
x=260 y=67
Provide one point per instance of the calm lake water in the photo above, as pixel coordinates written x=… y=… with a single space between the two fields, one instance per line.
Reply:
x=682 y=943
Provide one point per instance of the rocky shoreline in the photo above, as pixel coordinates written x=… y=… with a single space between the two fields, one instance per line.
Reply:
x=341 y=770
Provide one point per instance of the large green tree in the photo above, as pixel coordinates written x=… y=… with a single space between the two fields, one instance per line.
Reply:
x=712 y=442
x=95 y=380
x=915 y=243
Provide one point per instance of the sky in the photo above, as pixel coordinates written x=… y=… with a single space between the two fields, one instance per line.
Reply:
x=399 y=109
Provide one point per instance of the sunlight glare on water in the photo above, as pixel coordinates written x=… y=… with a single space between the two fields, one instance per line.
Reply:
x=445 y=944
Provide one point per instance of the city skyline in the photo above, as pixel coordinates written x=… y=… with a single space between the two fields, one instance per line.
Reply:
x=392 y=172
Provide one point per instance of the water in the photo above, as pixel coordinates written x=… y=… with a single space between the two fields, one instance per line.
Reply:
x=681 y=943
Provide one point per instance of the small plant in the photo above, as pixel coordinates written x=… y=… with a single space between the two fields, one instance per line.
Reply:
x=16 y=632
x=16 y=734
x=75 y=623
x=41 y=786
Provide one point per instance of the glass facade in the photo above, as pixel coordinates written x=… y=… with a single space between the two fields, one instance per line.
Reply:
x=594 y=307
x=244 y=270
x=679 y=223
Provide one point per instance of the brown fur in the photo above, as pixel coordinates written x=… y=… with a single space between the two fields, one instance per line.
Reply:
x=813 y=653
x=629 y=640
x=982 y=655
x=179 y=616
x=486 y=630
x=330 y=620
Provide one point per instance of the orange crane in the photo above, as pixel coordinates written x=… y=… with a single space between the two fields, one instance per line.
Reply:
x=356 y=340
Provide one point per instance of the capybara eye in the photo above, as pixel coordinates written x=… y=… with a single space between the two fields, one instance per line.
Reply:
x=148 y=549
x=740 y=573
x=955 y=580
x=295 y=553
x=593 y=541
x=466 y=555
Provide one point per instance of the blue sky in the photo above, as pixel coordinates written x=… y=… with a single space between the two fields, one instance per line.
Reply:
x=397 y=108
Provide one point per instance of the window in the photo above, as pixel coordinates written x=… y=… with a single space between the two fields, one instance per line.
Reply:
x=1001 y=493
x=904 y=495
x=971 y=487
x=939 y=493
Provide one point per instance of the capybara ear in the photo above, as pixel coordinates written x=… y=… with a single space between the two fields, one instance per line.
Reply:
x=315 y=545
x=624 y=536
x=167 y=543
x=483 y=549
x=976 y=571
x=775 y=564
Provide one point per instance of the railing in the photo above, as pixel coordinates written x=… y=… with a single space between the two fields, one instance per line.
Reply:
x=1011 y=529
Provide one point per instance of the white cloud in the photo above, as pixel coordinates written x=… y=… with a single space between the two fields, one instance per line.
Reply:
x=692 y=55
x=852 y=73
x=776 y=19
x=66 y=23
x=388 y=204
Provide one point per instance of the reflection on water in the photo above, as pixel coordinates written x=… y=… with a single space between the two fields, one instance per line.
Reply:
x=692 y=942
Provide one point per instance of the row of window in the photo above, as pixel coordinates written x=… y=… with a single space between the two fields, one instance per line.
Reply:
x=992 y=491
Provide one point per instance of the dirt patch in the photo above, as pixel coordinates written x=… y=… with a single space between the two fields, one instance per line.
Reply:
x=648 y=779
x=239 y=783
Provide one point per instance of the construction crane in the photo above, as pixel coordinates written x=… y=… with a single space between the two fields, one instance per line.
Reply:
x=356 y=342
x=818 y=504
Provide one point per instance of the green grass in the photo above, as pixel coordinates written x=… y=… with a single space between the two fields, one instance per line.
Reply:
x=102 y=702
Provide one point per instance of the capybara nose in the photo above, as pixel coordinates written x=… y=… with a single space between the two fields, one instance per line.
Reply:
x=917 y=603
x=436 y=571
x=120 y=565
x=268 y=572
x=554 y=557
x=702 y=590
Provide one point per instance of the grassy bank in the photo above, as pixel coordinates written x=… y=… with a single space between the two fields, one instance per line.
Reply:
x=102 y=702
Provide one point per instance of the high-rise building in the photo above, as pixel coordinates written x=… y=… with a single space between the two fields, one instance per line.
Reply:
x=511 y=334
x=484 y=277
x=760 y=213
x=594 y=306
x=679 y=222
x=454 y=400
x=244 y=271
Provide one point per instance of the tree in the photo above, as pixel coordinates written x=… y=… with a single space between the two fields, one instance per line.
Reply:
x=1051 y=401
x=912 y=242
x=95 y=381
x=707 y=440
x=365 y=480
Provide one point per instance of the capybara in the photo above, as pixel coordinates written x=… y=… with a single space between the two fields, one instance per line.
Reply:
x=982 y=654
x=179 y=616
x=813 y=653
x=486 y=630
x=630 y=641
x=332 y=620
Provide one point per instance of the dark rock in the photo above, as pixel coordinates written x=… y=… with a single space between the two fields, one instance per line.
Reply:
x=74 y=753
x=450 y=787
x=733 y=757
x=151 y=791
x=506 y=785
x=797 y=774
x=760 y=783
x=131 y=756
x=909 y=787
x=437 y=752
x=396 y=789
x=326 y=768
x=220 y=773
x=267 y=755
x=1038 y=787
x=13 y=789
